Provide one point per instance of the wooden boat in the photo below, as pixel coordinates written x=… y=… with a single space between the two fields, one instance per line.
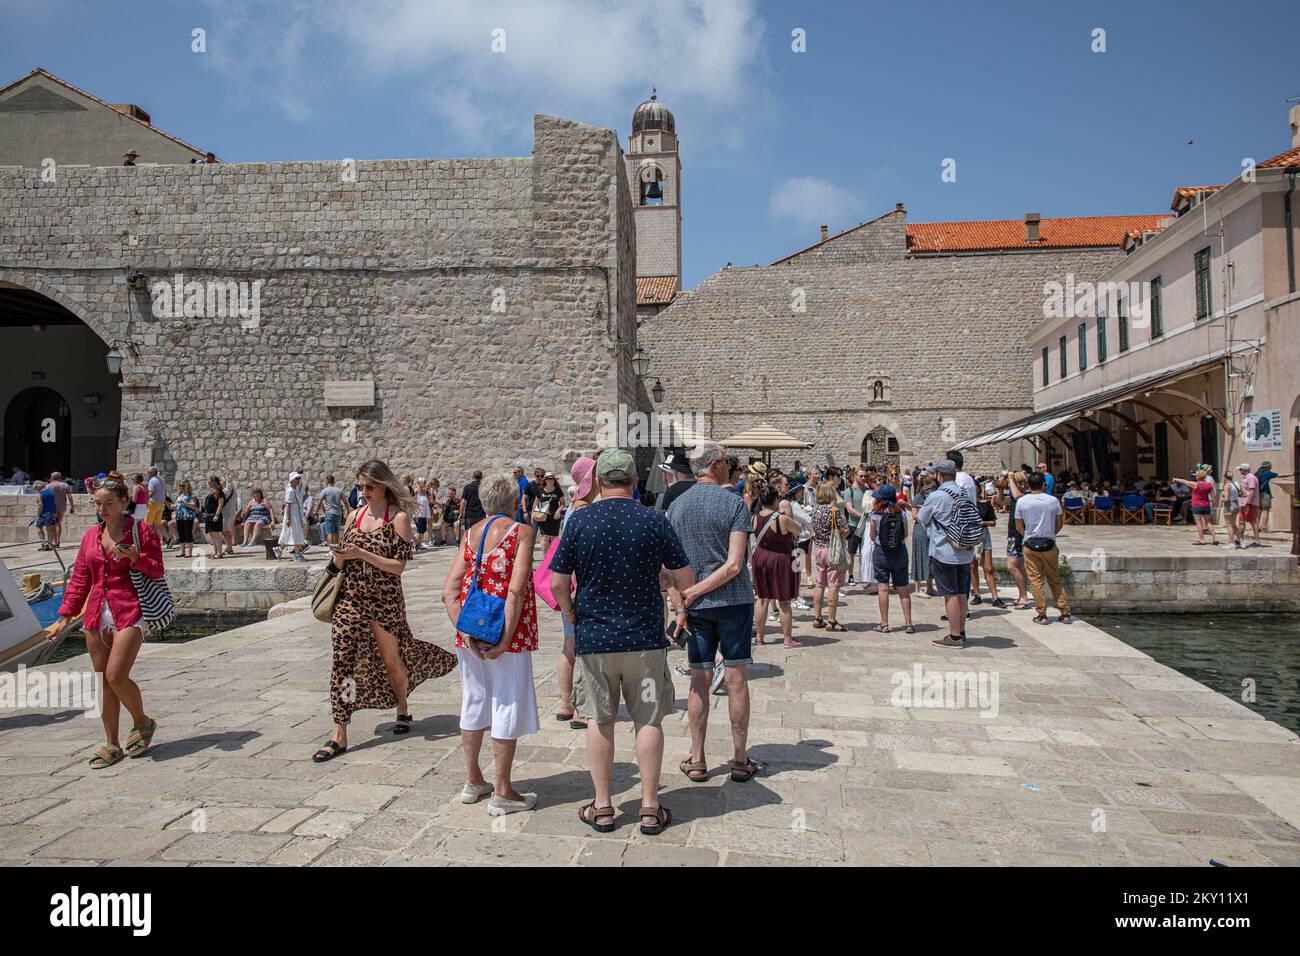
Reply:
x=26 y=627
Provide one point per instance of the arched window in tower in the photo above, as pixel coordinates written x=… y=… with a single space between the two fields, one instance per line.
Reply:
x=652 y=185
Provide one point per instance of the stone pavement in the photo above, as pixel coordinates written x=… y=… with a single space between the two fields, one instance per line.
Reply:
x=1096 y=755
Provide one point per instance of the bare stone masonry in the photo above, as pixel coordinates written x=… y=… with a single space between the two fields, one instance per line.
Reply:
x=492 y=301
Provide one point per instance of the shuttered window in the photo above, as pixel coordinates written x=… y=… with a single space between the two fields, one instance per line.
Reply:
x=1204 y=299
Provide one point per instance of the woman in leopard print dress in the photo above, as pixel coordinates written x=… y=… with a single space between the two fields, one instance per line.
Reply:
x=377 y=661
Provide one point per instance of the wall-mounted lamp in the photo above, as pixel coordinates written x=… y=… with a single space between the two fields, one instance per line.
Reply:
x=640 y=363
x=113 y=360
x=658 y=391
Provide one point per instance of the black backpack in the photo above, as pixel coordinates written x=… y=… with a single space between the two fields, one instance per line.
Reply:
x=892 y=532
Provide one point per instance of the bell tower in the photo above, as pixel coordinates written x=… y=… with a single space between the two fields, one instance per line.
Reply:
x=654 y=174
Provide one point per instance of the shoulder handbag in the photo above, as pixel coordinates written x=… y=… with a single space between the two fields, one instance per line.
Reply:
x=838 y=557
x=326 y=595
x=156 y=605
x=483 y=615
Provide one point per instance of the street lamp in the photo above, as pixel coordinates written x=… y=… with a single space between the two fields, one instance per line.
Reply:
x=640 y=363
x=114 y=361
x=658 y=391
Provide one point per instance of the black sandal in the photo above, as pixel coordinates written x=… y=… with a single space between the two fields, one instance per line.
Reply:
x=403 y=725
x=590 y=813
x=328 y=752
x=663 y=816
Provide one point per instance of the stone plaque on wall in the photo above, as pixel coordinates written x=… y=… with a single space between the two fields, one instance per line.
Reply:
x=354 y=394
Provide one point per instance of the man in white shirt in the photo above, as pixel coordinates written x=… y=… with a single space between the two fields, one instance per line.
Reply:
x=1039 y=518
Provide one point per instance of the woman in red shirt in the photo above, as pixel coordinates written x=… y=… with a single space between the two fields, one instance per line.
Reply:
x=497 y=692
x=101 y=581
x=1201 y=508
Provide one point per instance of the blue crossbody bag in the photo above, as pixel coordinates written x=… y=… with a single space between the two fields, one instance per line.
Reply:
x=483 y=615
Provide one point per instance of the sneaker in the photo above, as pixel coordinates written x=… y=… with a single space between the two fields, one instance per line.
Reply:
x=950 y=641
x=683 y=670
x=718 y=686
x=500 y=806
x=976 y=599
x=773 y=617
x=998 y=602
x=299 y=557
x=802 y=604
x=474 y=792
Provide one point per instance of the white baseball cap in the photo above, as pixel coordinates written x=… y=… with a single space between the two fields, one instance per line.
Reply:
x=294 y=474
x=1243 y=467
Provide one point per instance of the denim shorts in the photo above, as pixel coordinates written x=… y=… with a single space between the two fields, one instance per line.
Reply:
x=890 y=567
x=1200 y=509
x=950 y=579
x=330 y=524
x=728 y=627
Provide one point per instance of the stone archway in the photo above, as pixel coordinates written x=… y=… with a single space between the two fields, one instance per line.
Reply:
x=881 y=441
x=62 y=409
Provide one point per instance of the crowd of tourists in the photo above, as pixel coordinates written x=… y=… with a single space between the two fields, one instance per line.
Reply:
x=704 y=567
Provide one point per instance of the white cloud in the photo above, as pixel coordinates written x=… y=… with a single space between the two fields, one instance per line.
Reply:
x=586 y=59
x=810 y=201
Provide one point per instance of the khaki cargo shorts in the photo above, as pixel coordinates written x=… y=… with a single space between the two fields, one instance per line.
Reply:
x=640 y=678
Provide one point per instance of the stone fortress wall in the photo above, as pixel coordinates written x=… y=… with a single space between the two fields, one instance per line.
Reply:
x=492 y=302
x=946 y=335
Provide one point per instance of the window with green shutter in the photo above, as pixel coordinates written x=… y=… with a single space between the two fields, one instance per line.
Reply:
x=1047 y=375
x=1204 y=302
x=1083 y=346
x=1123 y=324
x=1101 y=337
x=1065 y=369
x=1157 y=321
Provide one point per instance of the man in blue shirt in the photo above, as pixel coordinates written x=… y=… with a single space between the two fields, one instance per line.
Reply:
x=949 y=565
x=617 y=547
x=1049 y=480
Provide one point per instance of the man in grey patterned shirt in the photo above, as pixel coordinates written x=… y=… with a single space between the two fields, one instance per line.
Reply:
x=713 y=526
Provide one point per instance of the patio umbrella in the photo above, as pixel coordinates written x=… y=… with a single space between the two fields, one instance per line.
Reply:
x=764 y=438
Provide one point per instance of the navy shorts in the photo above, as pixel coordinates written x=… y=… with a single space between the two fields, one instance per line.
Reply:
x=421 y=525
x=1200 y=509
x=330 y=524
x=728 y=627
x=950 y=579
x=890 y=566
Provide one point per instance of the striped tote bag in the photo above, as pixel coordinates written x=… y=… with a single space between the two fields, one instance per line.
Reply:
x=156 y=605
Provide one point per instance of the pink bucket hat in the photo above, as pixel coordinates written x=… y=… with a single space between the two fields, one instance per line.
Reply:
x=581 y=472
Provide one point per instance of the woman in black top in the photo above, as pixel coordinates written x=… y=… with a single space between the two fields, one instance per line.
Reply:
x=213 y=505
x=548 y=509
x=984 y=551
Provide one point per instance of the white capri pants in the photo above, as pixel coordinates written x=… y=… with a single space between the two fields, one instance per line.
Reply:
x=498 y=695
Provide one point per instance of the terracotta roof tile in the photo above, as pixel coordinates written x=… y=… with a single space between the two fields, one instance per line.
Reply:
x=986 y=235
x=655 y=290
x=1290 y=157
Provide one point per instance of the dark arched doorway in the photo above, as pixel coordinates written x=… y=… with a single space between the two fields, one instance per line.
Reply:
x=880 y=448
x=38 y=432
x=61 y=409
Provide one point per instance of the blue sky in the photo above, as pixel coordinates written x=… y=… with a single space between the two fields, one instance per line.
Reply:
x=774 y=142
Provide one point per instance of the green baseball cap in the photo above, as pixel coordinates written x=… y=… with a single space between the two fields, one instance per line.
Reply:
x=616 y=465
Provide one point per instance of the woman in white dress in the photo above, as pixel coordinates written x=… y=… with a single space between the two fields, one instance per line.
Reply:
x=867 y=551
x=293 y=532
x=228 y=512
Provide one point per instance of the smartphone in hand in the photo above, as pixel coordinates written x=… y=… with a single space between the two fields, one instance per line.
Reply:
x=677 y=637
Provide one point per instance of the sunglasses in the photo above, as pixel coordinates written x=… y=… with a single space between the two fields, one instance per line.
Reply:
x=108 y=483
x=366 y=487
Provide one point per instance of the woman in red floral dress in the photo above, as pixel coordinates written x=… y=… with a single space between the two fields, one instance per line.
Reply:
x=497 y=692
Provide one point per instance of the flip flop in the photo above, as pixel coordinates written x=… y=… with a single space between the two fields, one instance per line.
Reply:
x=328 y=752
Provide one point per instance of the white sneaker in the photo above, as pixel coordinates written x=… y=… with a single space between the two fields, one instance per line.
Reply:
x=500 y=806
x=474 y=792
x=717 y=686
x=773 y=617
x=802 y=604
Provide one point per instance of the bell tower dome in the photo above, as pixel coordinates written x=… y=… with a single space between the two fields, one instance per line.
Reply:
x=654 y=173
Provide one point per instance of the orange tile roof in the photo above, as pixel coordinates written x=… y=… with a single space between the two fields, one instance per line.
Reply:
x=655 y=290
x=1290 y=157
x=91 y=96
x=1066 y=233
x=1186 y=192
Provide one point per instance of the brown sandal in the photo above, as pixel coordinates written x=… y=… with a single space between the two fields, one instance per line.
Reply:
x=741 y=772
x=691 y=768
x=835 y=626
x=818 y=622
x=663 y=816
x=590 y=813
